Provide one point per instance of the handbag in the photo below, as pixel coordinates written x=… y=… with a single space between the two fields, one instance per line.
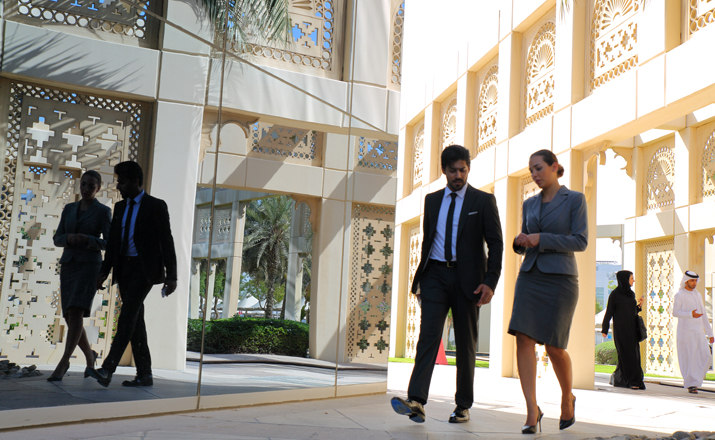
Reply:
x=642 y=330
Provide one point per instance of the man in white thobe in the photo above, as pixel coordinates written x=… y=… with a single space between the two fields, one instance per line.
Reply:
x=694 y=356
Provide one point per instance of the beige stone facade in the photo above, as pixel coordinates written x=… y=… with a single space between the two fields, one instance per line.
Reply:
x=621 y=90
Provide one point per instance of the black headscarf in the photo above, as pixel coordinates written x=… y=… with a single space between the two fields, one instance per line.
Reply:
x=624 y=283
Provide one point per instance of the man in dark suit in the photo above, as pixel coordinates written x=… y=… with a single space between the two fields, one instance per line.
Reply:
x=454 y=273
x=140 y=253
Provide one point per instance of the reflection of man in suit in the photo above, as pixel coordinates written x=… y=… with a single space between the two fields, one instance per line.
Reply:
x=454 y=273
x=140 y=252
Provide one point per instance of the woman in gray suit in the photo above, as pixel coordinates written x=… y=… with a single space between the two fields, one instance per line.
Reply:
x=81 y=225
x=554 y=226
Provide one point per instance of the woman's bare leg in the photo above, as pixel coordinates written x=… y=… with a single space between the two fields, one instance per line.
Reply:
x=561 y=361
x=526 y=363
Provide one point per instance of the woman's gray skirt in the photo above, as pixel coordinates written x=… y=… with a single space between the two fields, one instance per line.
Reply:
x=78 y=285
x=544 y=305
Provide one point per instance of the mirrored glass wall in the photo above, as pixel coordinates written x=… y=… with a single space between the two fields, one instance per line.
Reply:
x=276 y=154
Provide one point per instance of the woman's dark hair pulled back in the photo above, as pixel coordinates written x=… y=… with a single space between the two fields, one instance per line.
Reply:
x=550 y=158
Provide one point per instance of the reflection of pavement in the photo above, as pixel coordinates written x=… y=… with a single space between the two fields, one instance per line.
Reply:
x=281 y=360
x=498 y=413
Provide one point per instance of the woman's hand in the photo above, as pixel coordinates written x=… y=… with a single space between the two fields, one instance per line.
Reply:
x=640 y=301
x=605 y=335
x=77 y=240
x=527 y=240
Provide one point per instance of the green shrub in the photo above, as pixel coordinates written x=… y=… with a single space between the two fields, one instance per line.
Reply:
x=250 y=335
x=606 y=353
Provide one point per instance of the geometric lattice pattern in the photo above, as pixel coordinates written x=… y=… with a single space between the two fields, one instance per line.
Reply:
x=52 y=137
x=413 y=306
x=377 y=155
x=397 y=24
x=701 y=14
x=370 y=296
x=449 y=122
x=660 y=345
x=118 y=17
x=488 y=110
x=418 y=164
x=708 y=164
x=660 y=178
x=613 y=39
x=540 y=74
x=222 y=229
x=286 y=144
x=313 y=45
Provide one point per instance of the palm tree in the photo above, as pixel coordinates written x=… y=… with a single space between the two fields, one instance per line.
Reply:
x=265 y=246
x=244 y=21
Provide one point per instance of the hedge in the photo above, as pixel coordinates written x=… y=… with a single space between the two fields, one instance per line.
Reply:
x=250 y=335
x=606 y=353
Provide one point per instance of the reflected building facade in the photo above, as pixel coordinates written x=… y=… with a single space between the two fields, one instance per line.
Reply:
x=85 y=86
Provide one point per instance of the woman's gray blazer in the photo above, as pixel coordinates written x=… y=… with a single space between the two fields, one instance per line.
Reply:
x=562 y=229
x=94 y=222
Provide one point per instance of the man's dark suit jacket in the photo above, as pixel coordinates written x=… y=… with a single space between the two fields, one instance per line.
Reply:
x=152 y=238
x=478 y=222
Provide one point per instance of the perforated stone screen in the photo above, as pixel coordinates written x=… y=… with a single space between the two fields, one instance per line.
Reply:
x=370 y=296
x=52 y=137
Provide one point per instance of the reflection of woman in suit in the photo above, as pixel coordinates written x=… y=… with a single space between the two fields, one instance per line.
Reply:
x=79 y=232
x=554 y=226
x=623 y=308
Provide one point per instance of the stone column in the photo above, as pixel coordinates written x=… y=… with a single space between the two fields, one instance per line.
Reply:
x=583 y=177
x=195 y=289
x=233 y=263
x=296 y=251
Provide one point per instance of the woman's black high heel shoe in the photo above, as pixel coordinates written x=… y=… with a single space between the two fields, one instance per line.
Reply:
x=58 y=377
x=563 y=424
x=88 y=371
x=531 y=429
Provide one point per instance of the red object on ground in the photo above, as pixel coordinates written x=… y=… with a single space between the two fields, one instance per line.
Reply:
x=441 y=357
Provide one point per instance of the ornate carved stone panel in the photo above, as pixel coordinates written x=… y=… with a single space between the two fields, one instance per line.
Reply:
x=371 y=251
x=701 y=14
x=488 y=110
x=117 y=17
x=660 y=178
x=398 y=21
x=53 y=136
x=540 y=74
x=418 y=164
x=449 y=122
x=317 y=29
x=377 y=155
x=708 y=164
x=613 y=39
x=660 y=345
x=286 y=144
x=413 y=305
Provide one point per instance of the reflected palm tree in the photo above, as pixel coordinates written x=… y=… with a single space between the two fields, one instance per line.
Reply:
x=265 y=247
x=250 y=20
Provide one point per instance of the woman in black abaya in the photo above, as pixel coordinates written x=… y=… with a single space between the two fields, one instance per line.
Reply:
x=623 y=308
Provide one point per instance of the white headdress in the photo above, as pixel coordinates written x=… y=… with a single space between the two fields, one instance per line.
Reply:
x=689 y=275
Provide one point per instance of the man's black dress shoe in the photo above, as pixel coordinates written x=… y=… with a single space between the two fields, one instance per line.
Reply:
x=414 y=410
x=460 y=415
x=140 y=381
x=102 y=375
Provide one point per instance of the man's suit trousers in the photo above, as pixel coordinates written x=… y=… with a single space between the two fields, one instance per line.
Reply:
x=133 y=289
x=440 y=292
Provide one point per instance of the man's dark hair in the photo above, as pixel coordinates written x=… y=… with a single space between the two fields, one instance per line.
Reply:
x=129 y=170
x=452 y=154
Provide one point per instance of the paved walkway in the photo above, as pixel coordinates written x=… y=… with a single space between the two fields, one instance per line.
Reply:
x=498 y=413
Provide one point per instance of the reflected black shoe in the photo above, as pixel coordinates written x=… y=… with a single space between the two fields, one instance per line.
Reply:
x=563 y=424
x=460 y=415
x=414 y=410
x=140 y=381
x=103 y=376
x=88 y=370
x=531 y=429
